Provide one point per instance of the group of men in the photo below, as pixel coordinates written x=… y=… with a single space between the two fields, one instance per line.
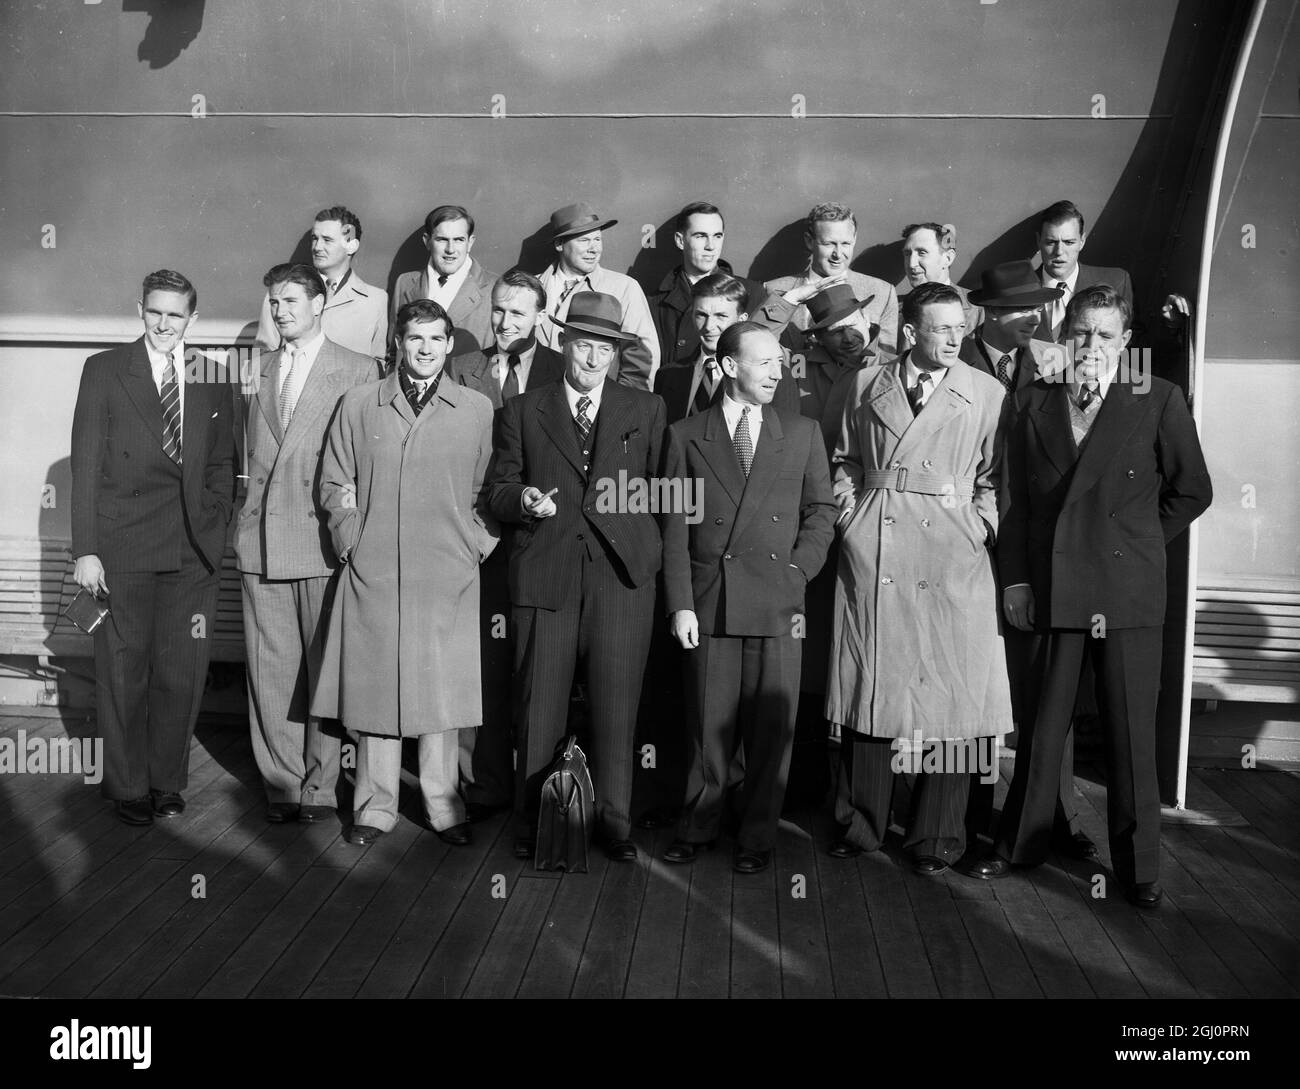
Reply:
x=907 y=518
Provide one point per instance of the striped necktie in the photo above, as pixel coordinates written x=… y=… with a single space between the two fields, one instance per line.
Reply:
x=743 y=442
x=170 y=394
x=289 y=387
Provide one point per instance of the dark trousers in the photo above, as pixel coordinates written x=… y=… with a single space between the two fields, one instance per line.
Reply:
x=606 y=627
x=937 y=825
x=493 y=767
x=151 y=660
x=1127 y=667
x=739 y=691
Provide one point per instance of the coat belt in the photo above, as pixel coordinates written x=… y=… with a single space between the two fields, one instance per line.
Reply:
x=903 y=480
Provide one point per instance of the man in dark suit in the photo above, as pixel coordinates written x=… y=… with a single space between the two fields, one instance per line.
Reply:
x=735 y=582
x=718 y=301
x=699 y=233
x=1061 y=239
x=153 y=467
x=452 y=278
x=513 y=363
x=1105 y=469
x=582 y=561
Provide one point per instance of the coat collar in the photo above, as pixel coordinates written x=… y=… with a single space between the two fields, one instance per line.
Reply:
x=138 y=380
x=389 y=392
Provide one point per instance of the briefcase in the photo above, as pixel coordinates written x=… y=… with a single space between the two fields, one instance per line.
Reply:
x=86 y=611
x=567 y=814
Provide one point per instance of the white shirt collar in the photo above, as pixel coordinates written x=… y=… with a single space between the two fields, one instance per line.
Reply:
x=158 y=363
x=995 y=354
x=912 y=372
x=1070 y=281
x=1104 y=382
x=449 y=290
x=732 y=411
x=594 y=395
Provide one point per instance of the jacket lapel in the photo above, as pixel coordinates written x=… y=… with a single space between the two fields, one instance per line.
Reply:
x=390 y=393
x=718 y=451
x=138 y=381
x=888 y=400
x=266 y=397
x=469 y=294
x=1121 y=411
x=320 y=389
x=611 y=422
x=1051 y=418
x=951 y=399
x=558 y=425
x=769 y=453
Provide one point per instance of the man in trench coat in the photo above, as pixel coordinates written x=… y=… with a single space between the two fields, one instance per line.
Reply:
x=916 y=655
x=402 y=482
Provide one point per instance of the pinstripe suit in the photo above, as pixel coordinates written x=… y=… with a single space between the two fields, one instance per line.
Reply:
x=582 y=583
x=286 y=560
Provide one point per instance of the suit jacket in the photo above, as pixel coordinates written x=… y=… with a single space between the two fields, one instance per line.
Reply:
x=670 y=309
x=470 y=310
x=125 y=488
x=1088 y=531
x=675 y=386
x=1040 y=357
x=1091 y=276
x=283 y=532
x=881 y=311
x=536 y=444
x=474 y=371
x=743 y=565
x=356 y=319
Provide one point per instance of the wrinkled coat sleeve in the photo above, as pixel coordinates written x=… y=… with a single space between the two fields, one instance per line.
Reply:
x=1187 y=491
x=846 y=461
x=486 y=526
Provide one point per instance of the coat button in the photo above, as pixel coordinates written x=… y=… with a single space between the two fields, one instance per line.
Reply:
x=771 y=555
x=1131 y=474
x=136 y=492
x=1112 y=514
x=886 y=580
x=776 y=518
x=717 y=521
x=1118 y=553
x=896 y=465
x=888 y=521
x=923 y=585
x=261 y=480
x=726 y=555
x=925 y=522
x=927 y=464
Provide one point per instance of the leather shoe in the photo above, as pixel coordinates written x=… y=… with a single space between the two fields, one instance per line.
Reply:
x=681 y=850
x=986 y=869
x=1076 y=846
x=363 y=835
x=620 y=850
x=525 y=847
x=458 y=835
x=928 y=865
x=1145 y=894
x=282 y=812
x=842 y=848
x=138 y=811
x=314 y=814
x=746 y=861
x=482 y=811
x=167 y=803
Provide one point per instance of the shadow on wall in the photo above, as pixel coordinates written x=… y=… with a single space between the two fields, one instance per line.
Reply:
x=173 y=26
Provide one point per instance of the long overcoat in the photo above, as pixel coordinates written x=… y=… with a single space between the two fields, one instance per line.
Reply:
x=405 y=499
x=915 y=645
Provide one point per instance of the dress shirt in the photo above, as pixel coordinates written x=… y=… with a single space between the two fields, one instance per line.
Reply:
x=310 y=349
x=501 y=365
x=158 y=364
x=593 y=395
x=731 y=411
x=443 y=294
x=1058 y=307
x=994 y=354
x=913 y=372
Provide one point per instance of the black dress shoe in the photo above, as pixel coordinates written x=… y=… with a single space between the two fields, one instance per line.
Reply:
x=282 y=812
x=745 y=861
x=1076 y=846
x=314 y=814
x=525 y=847
x=928 y=865
x=363 y=835
x=842 y=848
x=458 y=835
x=1145 y=894
x=482 y=811
x=620 y=850
x=138 y=811
x=682 y=851
x=986 y=869
x=167 y=803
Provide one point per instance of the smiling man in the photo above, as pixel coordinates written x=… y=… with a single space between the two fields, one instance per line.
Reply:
x=286 y=558
x=152 y=493
x=355 y=315
x=916 y=652
x=452 y=278
x=406 y=459
x=582 y=578
x=929 y=250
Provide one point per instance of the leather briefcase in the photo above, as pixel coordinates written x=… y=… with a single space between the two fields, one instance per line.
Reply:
x=567 y=815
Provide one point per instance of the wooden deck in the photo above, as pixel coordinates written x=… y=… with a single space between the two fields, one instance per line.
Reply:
x=90 y=907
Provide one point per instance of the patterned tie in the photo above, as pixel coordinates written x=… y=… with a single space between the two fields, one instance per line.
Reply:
x=569 y=287
x=289 y=388
x=1058 y=306
x=743 y=443
x=170 y=393
x=1087 y=395
x=916 y=395
x=332 y=288
x=582 y=419
x=510 y=388
x=1004 y=371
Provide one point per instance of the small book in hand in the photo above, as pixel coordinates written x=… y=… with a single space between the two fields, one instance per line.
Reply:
x=86 y=611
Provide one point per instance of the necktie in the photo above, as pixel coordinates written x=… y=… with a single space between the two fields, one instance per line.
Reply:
x=743 y=443
x=582 y=419
x=569 y=287
x=1058 y=306
x=916 y=395
x=1087 y=395
x=442 y=281
x=333 y=287
x=1004 y=371
x=708 y=384
x=415 y=397
x=170 y=393
x=289 y=388
x=510 y=387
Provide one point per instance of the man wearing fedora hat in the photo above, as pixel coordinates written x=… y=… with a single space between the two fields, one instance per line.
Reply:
x=577 y=234
x=582 y=576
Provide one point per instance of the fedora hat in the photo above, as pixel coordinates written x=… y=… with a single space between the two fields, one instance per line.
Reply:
x=833 y=304
x=1013 y=284
x=596 y=312
x=575 y=219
